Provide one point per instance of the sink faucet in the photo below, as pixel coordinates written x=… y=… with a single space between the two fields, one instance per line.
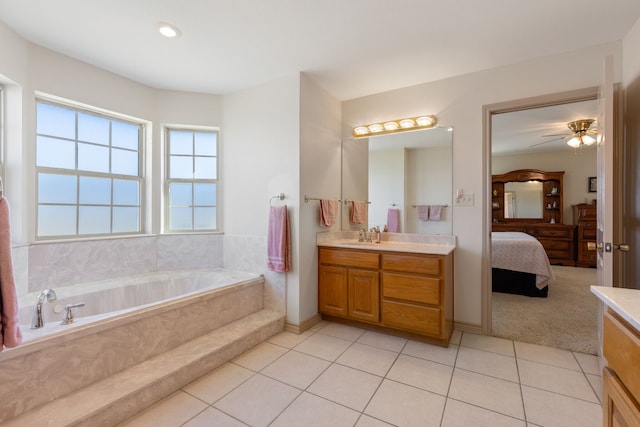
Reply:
x=38 y=321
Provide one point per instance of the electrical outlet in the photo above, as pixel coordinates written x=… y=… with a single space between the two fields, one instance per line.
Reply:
x=464 y=199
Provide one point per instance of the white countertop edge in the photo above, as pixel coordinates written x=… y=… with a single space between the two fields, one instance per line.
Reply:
x=433 y=249
x=625 y=302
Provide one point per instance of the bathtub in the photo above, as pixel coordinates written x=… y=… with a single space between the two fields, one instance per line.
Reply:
x=123 y=322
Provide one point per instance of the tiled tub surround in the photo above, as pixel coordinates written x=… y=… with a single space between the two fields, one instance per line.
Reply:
x=47 y=368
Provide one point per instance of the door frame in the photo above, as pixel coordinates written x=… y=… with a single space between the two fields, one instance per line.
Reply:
x=585 y=94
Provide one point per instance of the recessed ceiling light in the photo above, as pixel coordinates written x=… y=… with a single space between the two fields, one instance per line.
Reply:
x=168 y=30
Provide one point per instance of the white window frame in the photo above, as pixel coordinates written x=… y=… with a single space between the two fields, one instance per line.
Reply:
x=168 y=181
x=140 y=178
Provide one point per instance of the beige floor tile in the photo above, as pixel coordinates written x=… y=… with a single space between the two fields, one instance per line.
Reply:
x=487 y=392
x=384 y=341
x=488 y=343
x=345 y=332
x=216 y=384
x=258 y=401
x=557 y=380
x=367 y=421
x=260 y=356
x=321 y=324
x=424 y=374
x=289 y=339
x=212 y=417
x=456 y=336
x=296 y=369
x=172 y=411
x=369 y=359
x=589 y=363
x=547 y=355
x=553 y=410
x=487 y=363
x=596 y=385
x=435 y=353
x=460 y=414
x=323 y=346
x=403 y=405
x=346 y=386
x=313 y=411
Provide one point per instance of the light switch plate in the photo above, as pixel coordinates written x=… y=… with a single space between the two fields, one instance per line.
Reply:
x=464 y=199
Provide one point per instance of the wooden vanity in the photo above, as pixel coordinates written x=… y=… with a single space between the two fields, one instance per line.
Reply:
x=402 y=293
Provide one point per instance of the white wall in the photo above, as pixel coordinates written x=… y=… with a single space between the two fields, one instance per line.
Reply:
x=577 y=166
x=459 y=102
x=386 y=186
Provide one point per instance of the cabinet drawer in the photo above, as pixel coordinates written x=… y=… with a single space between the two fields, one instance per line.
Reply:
x=414 y=318
x=621 y=348
x=349 y=258
x=589 y=234
x=419 y=264
x=560 y=232
x=425 y=290
x=558 y=245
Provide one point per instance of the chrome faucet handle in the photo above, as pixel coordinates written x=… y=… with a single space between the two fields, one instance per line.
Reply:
x=68 y=314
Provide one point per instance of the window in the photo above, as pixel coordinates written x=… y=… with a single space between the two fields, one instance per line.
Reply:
x=88 y=167
x=192 y=180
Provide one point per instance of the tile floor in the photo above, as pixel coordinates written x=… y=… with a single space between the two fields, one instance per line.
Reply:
x=336 y=375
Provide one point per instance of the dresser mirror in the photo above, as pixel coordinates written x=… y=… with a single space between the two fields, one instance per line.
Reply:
x=400 y=171
x=523 y=199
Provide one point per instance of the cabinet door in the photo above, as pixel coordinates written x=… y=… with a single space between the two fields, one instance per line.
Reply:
x=332 y=290
x=620 y=409
x=364 y=295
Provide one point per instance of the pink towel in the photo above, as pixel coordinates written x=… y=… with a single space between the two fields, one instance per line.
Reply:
x=423 y=212
x=393 y=220
x=10 y=335
x=328 y=212
x=434 y=212
x=358 y=214
x=278 y=240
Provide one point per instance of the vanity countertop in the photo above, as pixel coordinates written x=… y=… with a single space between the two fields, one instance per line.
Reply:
x=392 y=242
x=625 y=302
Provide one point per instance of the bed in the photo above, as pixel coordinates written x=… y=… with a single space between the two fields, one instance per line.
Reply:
x=519 y=265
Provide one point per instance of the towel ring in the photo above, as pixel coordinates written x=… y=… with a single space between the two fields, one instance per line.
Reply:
x=279 y=196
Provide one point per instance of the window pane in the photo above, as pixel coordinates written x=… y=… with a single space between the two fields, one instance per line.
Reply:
x=180 y=142
x=126 y=220
x=94 y=220
x=204 y=218
x=93 y=158
x=95 y=191
x=205 y=168
x=126 y=193
x=124 y=162
x=93 y=128
x=55 y=153
x=180 y=194
x=206 y=144
x=56 y=220
x=56 y=121
x=204 y=194
x=181 y=167
x=125 y=135
x=57 y=189
x=180 y=219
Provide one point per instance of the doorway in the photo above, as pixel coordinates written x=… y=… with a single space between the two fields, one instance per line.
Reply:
x=529 y=129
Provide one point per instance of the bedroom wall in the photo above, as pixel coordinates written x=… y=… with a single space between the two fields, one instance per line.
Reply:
x=578 y=166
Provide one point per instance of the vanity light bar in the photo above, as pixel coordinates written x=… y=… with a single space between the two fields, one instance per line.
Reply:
x=391 y=126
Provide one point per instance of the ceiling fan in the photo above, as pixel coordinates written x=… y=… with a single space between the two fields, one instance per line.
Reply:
x=581 y=134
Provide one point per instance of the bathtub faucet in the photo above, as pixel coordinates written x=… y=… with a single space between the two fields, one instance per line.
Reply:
x=38 y=321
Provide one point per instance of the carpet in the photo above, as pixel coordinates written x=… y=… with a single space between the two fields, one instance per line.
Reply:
x=566 y=319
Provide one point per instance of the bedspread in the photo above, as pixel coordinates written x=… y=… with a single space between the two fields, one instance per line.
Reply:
x=521 y=252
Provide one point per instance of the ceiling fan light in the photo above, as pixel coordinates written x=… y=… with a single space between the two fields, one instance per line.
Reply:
x=588 y=140
x=574 y=142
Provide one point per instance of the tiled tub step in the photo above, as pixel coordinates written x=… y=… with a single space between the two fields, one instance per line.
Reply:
x=120 y=396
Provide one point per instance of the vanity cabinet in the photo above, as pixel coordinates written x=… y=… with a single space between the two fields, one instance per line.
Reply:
x=584 y=217
x=621 y=379
x=397 y=292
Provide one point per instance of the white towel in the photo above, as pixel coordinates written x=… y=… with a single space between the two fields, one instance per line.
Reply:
x=423 y=212
x=434 y=212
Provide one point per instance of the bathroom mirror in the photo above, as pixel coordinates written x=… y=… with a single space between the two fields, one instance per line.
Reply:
x=400 y=171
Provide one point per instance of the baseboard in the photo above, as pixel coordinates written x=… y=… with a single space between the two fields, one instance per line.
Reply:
x=468 y=327
x=307 y=324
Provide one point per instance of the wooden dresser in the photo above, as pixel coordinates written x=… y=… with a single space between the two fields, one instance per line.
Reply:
x=402 y=293
x=584 y=217
x=558 y=240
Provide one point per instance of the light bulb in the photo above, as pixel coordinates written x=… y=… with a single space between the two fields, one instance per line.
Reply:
x=574 y=142
x=588 y=139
